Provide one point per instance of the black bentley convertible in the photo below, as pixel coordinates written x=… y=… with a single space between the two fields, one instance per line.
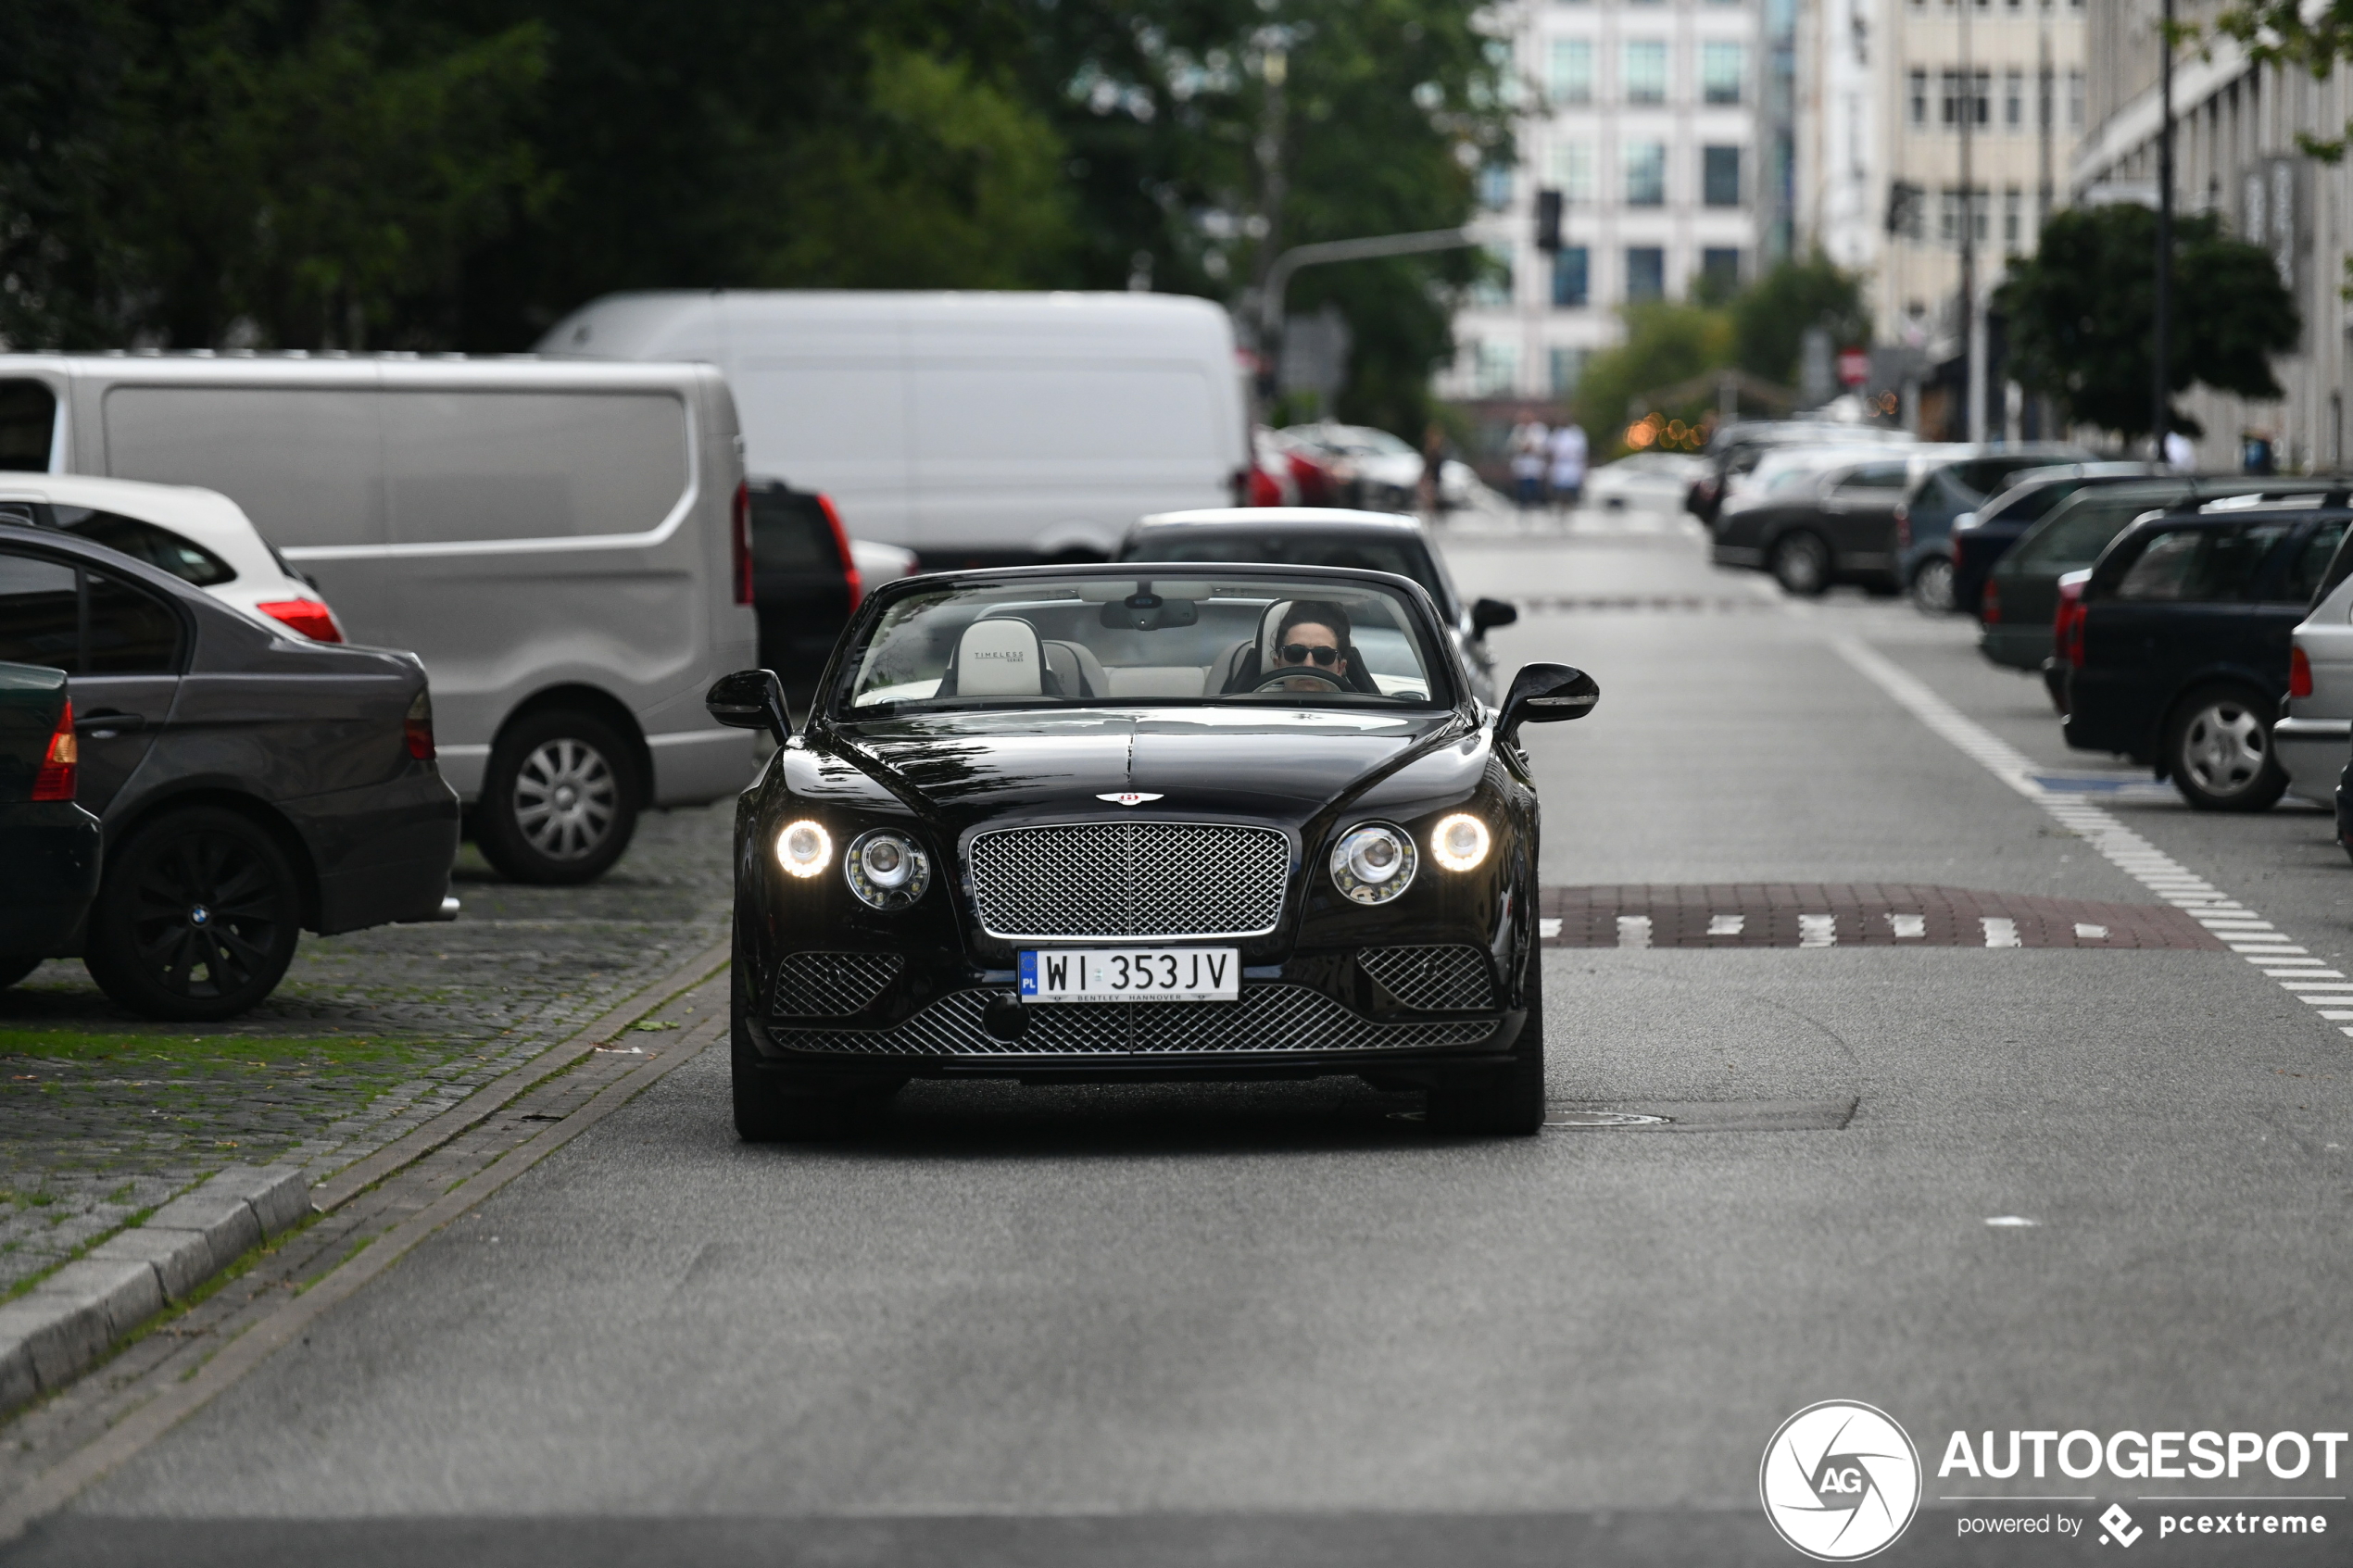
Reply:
x=1120 y=822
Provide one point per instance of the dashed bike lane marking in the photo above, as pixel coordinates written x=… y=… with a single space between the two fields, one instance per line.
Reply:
x=2232 y=923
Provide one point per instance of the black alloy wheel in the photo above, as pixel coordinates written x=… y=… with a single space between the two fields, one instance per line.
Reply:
x=196 y=918
x=1801 y=563
x=2219 y=750
x=1507 y=1101
x=1932 y=588
x=16 y=966
x=560 y=799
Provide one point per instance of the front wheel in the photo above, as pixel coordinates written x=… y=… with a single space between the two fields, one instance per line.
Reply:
x=1801 y=564
x=560 y=799
x=2220 y=748
x=1507 y=1101
x=1932 y=588
x=196 y=917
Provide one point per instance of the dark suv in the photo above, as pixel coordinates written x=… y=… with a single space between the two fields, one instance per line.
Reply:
x=2178 y=650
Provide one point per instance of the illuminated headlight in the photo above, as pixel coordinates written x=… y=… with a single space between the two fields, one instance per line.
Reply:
x=804 y=849
x=886 y=869
x=1373 y=864
x=1459 y=842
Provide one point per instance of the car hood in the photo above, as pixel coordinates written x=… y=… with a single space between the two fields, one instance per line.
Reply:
x=1281 y=766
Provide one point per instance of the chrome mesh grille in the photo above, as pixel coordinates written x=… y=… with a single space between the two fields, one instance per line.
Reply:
x=832 y=984
x=1130 y=878
x=1268 y=1017
x=1450 y=979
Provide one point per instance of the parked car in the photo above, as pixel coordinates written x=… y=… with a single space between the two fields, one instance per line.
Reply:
x=567 y=546
x=251 y=781
x=1309 y=851
x=199 y=536
x=1289 y=473
x=1942 y=491
x=49 y=843
x=975 y=427
x=1653 y=480
x=805 y=582
x=1378 y=471
x=2180 y=650
x=2345 y=809
x=1313 y=536
x=2314 y=731
x=1736 y=448
x=1813 y=516
x=1981 y=537
x=879 y=563
x=2021 y=596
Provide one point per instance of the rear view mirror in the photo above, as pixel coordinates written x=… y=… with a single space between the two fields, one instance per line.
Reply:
x=751 y=700
x=1148 y=612
x=1487 y=614
x=1543 y=694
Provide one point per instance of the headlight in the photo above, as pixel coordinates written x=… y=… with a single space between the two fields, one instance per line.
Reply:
x=804 y=849
x=886 y=869
x=1460 y=842
x=1373 y=864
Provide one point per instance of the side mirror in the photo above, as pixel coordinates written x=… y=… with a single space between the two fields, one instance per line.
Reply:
x=1487 y=614
x=751 y=700
x=1543 y=694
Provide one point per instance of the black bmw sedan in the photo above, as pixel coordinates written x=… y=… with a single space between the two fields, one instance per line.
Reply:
x=250 y=782
x=1117 y=823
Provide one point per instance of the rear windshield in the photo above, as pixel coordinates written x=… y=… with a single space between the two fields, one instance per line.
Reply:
x=1405 y=558
x=1040 y=642
x=2076 y=533
x=790 y=532
x=2199 y=564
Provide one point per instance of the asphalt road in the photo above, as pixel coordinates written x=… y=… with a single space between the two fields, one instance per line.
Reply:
x=1286 y=1324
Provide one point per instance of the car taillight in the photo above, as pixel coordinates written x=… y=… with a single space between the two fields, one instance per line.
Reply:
x=740 y=542
x=416 y=727
x=308 y=617
x=60 y=765
x=2067 y=626
x=2299 y=673
x=856 y=583
x=1989 y=608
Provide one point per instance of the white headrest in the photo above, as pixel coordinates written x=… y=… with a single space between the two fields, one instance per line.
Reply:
x=1269 y=626
x=998 y=659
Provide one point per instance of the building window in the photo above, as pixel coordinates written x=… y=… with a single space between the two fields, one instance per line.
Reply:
x=1920 y=99
x=1573 y=170
x=1572 y=70
x=2075 y=96
x=1568 y=369
x=1492 y=288
x=1720 y=176
x=2013 y=218
x=1494 y=369
x=2014 y=98
x=1572 y=278
x=1645 y=80
x=1645 y=272
x=1948 y=215
x=1966 y=93
x=1719 y=272
x=1645 y=174
x=1720 y=68
x=1495 y=186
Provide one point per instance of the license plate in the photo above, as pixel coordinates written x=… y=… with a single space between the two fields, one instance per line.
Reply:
x=1131 y=974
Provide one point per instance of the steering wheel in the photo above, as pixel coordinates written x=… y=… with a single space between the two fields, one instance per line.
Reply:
x=1279 y=679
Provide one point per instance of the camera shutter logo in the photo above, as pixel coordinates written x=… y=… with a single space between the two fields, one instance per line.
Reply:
x=1840 y=1481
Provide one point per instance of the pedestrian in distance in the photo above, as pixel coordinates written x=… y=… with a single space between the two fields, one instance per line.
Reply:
x=1528 y=463
x=1567 y=451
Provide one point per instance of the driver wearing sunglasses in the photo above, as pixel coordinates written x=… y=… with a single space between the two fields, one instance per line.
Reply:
x=1315 y=636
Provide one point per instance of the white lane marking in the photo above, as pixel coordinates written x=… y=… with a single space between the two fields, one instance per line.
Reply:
x=2012 y=1221
x=2086 y=932
x=1818 y=931
x=1633 y=931
x=1548 y=925
x=1908 y=926
x=1725 y=926
x=1999 y=932
x=2120 y=846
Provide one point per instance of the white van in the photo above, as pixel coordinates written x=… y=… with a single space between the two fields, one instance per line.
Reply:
x=972 y=428
x=562 y=544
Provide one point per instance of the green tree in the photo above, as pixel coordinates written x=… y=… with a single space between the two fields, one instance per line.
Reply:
x=2082 y=312
x=1665 y=343
x=1769 y=318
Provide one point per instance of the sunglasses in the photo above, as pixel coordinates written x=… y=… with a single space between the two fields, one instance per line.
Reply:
x=1300 y=653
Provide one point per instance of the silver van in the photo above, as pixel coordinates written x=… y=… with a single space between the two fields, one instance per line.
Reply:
x=564 y=545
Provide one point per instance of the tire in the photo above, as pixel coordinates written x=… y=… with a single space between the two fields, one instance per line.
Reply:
x=771 y=1107
x=1499 y=1102
x=1801 y=564
x=16 y=966
x=196 y=918
x=2219 y=750
x=1932 y=588
x=561 y=800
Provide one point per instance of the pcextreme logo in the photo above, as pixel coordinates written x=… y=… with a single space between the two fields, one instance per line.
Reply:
x=1840 y=1481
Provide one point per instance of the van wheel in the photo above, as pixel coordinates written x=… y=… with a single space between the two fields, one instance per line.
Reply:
x=1801 y=563
x=560 y=799
x=2220 y=752
x=196 y=918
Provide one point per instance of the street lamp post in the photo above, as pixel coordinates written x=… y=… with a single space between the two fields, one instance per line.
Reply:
x=2160 y=339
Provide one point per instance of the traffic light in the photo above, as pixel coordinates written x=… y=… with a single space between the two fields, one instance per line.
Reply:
x=1548 y=222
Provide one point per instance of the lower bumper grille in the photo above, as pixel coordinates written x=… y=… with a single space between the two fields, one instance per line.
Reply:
x=832 y=984
x=1449 y=979
x=1270 y=1019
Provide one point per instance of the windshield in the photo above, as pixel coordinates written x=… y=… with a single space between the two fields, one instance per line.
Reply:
x=1406 y=558
x=1042 y=642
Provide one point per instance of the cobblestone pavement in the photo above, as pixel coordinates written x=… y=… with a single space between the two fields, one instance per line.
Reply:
x=104 y=1116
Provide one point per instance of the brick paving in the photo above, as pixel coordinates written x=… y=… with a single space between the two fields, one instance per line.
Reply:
x=1853 y=914
x=103 y=1116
